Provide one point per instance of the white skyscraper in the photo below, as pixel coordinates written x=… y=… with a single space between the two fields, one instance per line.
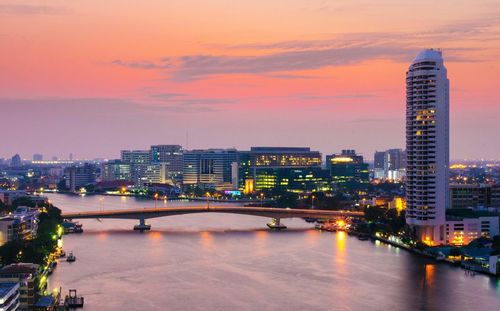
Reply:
x=427 y=146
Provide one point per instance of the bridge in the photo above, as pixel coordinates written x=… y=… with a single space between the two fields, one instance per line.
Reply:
x=276 y=214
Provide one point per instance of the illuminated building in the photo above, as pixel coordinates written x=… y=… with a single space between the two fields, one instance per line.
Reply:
x=390 y=164
x=474 y=196
x=210 y=168
x=171 y=156
x=138 y=161
x=80 y=176
x=292 y=168
x=115 y=170
x=427 y=146
x=463 y=229
x=30 y=278
x=348 y=169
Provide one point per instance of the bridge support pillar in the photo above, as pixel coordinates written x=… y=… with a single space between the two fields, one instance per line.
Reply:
x=276 y=224
x=142 y=226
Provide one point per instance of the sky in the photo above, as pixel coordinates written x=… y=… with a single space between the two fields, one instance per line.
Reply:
x=93 y=77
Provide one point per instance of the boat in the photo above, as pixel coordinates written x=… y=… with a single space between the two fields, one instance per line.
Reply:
x=51 y=267
x=71 y=257
x=363 y=236
x=72 y=300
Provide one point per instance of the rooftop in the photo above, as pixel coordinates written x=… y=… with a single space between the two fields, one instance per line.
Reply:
x=5 y=288
x=429 y=54
x=20 y=268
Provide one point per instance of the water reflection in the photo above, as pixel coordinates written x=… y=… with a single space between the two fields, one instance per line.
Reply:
x=222 y=261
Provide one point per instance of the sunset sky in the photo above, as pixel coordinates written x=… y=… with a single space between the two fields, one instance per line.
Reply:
x=93 y=77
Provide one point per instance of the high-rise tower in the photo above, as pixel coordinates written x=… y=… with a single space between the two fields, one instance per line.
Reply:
x=427 y=146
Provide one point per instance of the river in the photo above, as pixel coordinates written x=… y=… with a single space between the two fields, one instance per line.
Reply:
x=232 y=262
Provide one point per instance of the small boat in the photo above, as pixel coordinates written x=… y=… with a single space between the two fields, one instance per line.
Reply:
x=72 y=300
x=51 y=267
x=62 y=254
x=363 y=236
x=71 y=257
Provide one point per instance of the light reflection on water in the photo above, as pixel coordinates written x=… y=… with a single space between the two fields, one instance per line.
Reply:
x=223 y=261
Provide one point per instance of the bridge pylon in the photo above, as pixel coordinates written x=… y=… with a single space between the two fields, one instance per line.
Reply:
x=276 y=224
x=142 y=226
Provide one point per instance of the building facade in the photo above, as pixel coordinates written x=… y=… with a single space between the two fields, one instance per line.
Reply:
x=427 y=146
x=474 y=196
x=210 y=168
x=171 y=156
x=348 y=169
x=115 y=170
x=294 y=168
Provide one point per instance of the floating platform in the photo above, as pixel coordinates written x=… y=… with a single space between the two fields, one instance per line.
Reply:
x=276 y=226
x=142 y=227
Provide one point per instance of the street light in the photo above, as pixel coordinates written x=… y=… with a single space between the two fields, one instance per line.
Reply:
x=208 y=202
x=312 y=201
x=156 y=198
x=261 y=199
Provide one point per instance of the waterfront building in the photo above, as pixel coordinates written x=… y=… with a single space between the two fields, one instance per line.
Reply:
x=209 y=168
x=115 y=170
x=9 y=296
x=28 y=216
x=390 y=164
x=15 y=161
x=80 y=176
x=461 y=230
x=154 y=174
x=138 y=161
x=171 y=156
x=292 y=168
x=348 y=169
x=474 y=196
x=30 y=278
x=427 y=146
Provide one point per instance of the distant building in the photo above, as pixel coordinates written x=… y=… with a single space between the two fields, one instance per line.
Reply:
x=210 y=168
x=80 y=176
x=115 y=170
x=464 y=226
x=171 y=156
x=390 y=164
x=38 y=157
x=474 y=196
x=156 y=173
x=348 y=169
x=427 y=146
x=15 y=161
x=138 y=161
x=292 y=168
x=9 y=296
x=8 y=196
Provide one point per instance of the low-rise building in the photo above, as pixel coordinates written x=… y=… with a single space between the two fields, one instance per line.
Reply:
x=9 y=296
x=11 y=229
x=30 y=278
x=464 y=226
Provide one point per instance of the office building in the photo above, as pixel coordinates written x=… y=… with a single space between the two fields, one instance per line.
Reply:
x=138 y=161
x=171 y=156
x=427 y=146
x=348 y=169
x=294 y=168
x=115 y=170
x=155 y=173
x=474 y=196
x=80 y=176
x=210 y=168
x=390 y=164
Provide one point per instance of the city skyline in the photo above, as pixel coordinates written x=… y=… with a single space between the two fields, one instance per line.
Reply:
x=184 y=73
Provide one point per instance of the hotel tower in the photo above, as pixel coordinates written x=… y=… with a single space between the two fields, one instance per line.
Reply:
x=427 y=146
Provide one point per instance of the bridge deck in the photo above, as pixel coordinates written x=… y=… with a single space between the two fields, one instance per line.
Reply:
x=171 y=211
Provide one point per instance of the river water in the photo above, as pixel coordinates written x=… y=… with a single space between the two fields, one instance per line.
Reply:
x=232 y=262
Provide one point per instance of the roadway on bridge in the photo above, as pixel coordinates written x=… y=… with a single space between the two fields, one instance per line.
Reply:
x=146 y=213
